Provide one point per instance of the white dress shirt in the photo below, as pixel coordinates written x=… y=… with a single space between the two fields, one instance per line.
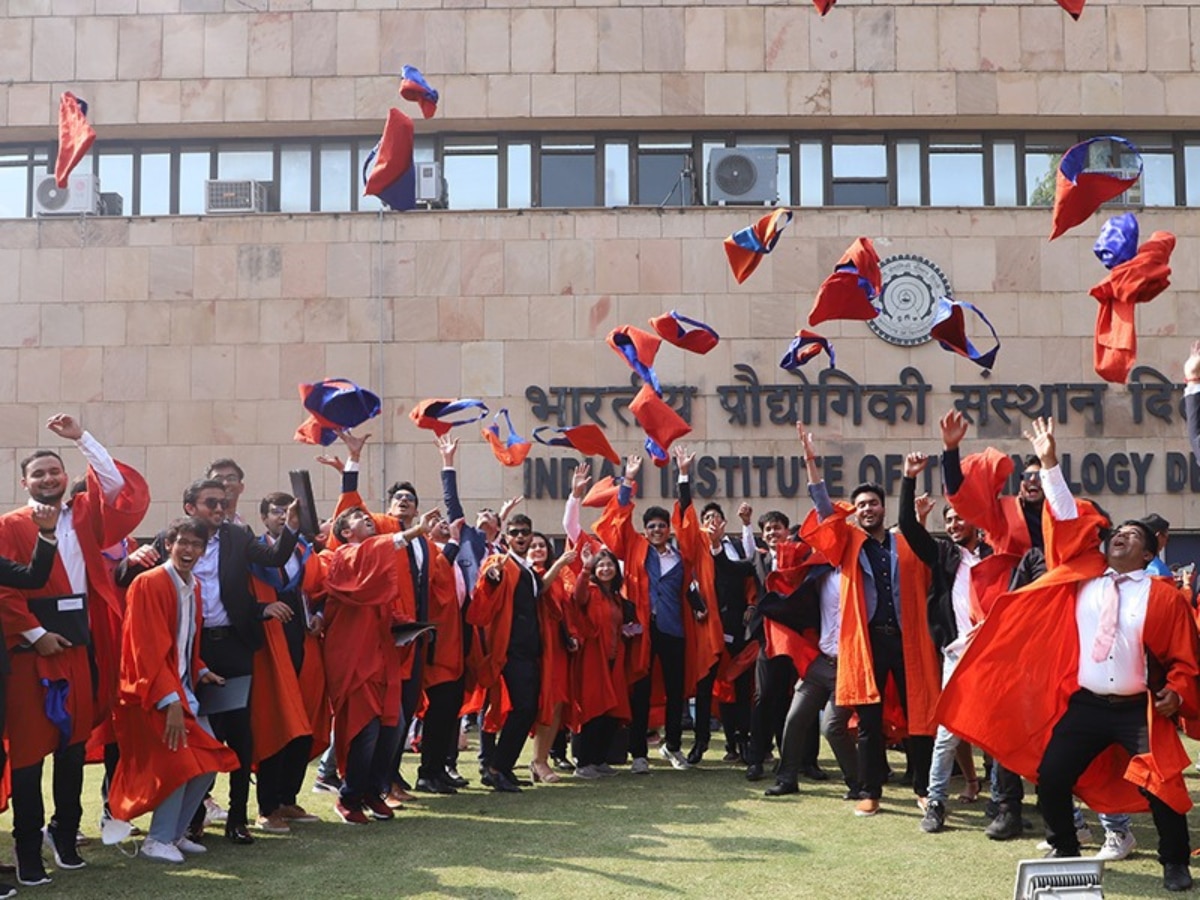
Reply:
x=1123 y=672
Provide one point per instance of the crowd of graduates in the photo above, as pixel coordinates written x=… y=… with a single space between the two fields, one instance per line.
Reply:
x=1034 y=629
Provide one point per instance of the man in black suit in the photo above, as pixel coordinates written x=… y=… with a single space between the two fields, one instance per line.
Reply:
x=232 y=628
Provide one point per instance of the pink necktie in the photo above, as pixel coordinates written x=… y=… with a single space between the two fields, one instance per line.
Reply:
x=1109 y=604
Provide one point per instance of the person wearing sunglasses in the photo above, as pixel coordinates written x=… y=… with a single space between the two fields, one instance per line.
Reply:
x=672 y=616
x=232 y=621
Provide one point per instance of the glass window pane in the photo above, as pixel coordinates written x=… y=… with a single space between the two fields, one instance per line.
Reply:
x=13 y=192
x=1004 y=173
x=335 y=177
x=116 y=177
x=859 y=161
x=1040 y=171
x=568 y=180
x=1191 y=161
x=520 y=176
x=245 y=165
x=812 y=174
x=471 y=181
x=784 y=181
x=860 y=193
x=295 y=179
x=665 y=179
x=908 y=173
x=616 y=175
x=154 y=194
x=1158 y=179
x=955 y=179
x=423 y=150
x=193 y=172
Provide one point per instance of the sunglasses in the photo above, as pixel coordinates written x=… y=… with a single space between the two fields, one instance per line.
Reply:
x=1030 y=477
x=519 y=532
x=214 y=503
x=404 y=498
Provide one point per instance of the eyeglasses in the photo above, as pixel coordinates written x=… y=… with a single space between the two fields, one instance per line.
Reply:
x=519 y=532
x=277 y=510
x=213 y=503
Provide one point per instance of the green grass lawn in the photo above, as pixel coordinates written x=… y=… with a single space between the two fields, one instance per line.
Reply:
x=702 y=833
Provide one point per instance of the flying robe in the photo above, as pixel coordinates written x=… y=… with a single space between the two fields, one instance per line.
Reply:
x=362 y=662
x=148 y=771
x=701 y=649
x=841 y=543
x=598 y=668
x=554 y=624
x=98 y=524
x=1025 y=660
x=1139 y=280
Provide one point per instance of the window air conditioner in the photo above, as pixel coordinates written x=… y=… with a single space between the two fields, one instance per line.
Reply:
x=81 y=196
x=431 y=187
x=747 y=175
x=235 y=196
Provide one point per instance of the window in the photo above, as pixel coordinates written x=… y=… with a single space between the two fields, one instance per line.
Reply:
x=1004 y=173
x=336 y=178
x=1191 y=165
x=1042 y=153
x=295 y=179
x=520 y=176
x=195 y=168
x=908 y=173
x=859 y=173
x=116 y=177
x=472 y=171
x=14 y=190
x=665 y=173
x=616 y=174
x=812 y=173
x=956 y=171
x=783 y=168
x=154 y=185
x=567 y=176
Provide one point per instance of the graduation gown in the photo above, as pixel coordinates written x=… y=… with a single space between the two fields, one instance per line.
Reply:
x=362 y=663
x=148 y=771
x=444 y=656
x=1139 y=280
x=98 y=524
x=598 y=668
x=1025 y=660
x=841 y=543
x=491 y=612
x=553 y=623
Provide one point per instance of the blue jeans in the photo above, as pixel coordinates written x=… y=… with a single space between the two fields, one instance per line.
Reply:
x=171 y=819
x=942 y=767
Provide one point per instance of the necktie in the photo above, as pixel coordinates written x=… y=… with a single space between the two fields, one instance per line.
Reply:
x=1109 y=605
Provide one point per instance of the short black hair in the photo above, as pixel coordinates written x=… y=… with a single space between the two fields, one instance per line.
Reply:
x=186 y=525
x=278 y=498
x=192 y=492
x=712 y=506
x=1156 y=523
x=343 y=520
x=224 y=463
x=1031 y=460
x=39 y=454
x=403 y=486
x=655 y=514
x=773 y=515
x=519 y=519
x=869 y=487
x=1150 y=539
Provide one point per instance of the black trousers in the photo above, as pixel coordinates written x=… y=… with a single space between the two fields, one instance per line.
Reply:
x=224 y=652
x=523 y=678
x=735 y=716
x=410 y=699
x=370 y=763
x=774 y=677
x=1010 y=788
x=591 y=748
x=440 y=734
x=668 y=650
x=1090 y=725
x=281 y=776
x=29 y=810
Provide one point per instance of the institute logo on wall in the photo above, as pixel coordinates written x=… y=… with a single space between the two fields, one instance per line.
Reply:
x=911 y=288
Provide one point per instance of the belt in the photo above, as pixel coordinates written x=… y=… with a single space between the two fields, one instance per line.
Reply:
x=1114 y=699
x=219 y=633
x=885 y=629
x=832 y=660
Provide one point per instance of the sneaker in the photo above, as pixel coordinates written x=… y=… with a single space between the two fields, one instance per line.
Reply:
x=378 y=809
x=1083 y=835
x=606 y=770
x=1176 y=877
x=65 y=854
x=351 y=816
x=31 y=871
x=213 y=812
x=1006 y=826
x=186 y=845
x=640 y=766
x=674 y=757
x=113 y=831
x=866 y=807
x=295 y=813
x=327 y=784
x=587 y=772
x=273 y=824
x=935 y=817
x=7 y=891
x=1117 y=845
x=152 y=849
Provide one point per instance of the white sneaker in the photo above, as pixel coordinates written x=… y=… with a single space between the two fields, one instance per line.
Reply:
x=1083 y=835
x=1117 y=845
x=213 y=812
x=674 y=757
x=189 y=846
x=152 y=849
x=586 y=772
x=641 y=766
x=113 y=831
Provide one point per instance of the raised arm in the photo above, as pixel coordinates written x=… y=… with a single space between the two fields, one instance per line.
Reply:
x=580 y=479
x=919 y=539
x=1058 y=495
x=954 y=428
x=816 y=484
x=683 y=461
x=447 y=447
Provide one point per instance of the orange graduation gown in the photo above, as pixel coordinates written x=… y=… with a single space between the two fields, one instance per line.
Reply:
x=598 y=669
x=1138 y=280
x=148 y=771
x=1025 y=660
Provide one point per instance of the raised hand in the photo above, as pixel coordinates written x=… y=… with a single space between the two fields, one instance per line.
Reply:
x=144 y=556
x=65 y=426
x=745 y=513
x=428 y=519
x=568 y=556
x=1191 y=366
x=588 y=557
x=915 y=464
x=954 y=428
x=683 y=458
x=334 y=462
x=806 y=441
x=456 y=528
x=633 y=465
x=715 y=531
x=45 y=517
x=509 y=506
x=293 y=515
x=580 y=479
x=354 y=443
x=1042 y=439
x=924 y=505
x=447 y=446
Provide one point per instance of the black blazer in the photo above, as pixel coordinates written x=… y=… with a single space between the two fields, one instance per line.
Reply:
x=238 y=550
x=25 y=578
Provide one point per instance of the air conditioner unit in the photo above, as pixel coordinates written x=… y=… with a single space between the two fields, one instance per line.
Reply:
x=235 y=196
x=431 y=186
x=81 y=196
x=743 y=175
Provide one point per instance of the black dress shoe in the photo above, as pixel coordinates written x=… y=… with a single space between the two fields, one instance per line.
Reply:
x=814 y=773
x=238 y=834
x=434 y=786
x=455 y=780
x=503 y=784
x=782 y=789
x=486 y=779
x=696 y=754
x=754 y=772
x=518 y=781
x=1176 y=877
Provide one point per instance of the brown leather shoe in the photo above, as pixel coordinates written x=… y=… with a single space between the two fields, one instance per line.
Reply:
x=866 y=807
